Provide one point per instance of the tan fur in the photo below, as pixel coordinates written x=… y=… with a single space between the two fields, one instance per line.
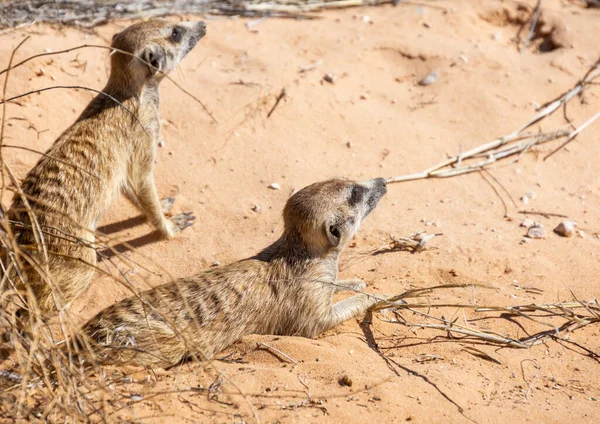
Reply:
x=286 y=289
x=113 y=149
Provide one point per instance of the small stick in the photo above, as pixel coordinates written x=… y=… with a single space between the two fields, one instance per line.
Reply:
x=534 y=20
x=272 y=349
x=574 y=134
x=558 y=215
x=279 y=97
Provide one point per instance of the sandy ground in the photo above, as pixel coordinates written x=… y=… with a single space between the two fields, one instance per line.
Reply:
x=374 y=120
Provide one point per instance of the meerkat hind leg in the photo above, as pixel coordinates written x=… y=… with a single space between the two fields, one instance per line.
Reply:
x=147 y=198
x=166 y=204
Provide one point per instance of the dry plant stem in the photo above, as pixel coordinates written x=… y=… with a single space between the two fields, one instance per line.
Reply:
x=567 y=310
x=113 y=50
x=39 y=238
x=76 y=87
x=448 y=167
x=285 y=355
x=535 y=16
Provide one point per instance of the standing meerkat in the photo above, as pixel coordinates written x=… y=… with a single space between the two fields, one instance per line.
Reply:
x=287 y=289
x=110 y=149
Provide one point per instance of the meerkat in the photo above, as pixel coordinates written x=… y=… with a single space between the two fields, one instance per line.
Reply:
x=286 y=289
x=110 y=149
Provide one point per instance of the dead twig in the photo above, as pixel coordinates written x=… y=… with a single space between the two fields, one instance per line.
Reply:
x=514 y=144
x=281 y=95
x=535 y=16
x=272 y=349
x=546 y=214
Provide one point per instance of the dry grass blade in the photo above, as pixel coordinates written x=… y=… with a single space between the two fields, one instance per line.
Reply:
x=391 y=301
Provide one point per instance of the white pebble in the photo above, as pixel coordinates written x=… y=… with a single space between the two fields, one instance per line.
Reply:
x=565 y=229
x=430 y=78
x=274 y=186
x=537 y=231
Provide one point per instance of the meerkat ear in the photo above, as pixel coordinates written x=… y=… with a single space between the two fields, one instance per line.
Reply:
x=333 y=231
x=155 y=56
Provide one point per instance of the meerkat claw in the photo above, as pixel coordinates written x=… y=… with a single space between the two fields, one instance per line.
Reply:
x=183 y=220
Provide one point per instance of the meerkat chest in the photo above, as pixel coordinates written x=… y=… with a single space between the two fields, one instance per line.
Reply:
x=150 y=114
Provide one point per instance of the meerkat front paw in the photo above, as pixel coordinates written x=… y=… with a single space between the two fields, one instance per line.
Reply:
x=166 y=204
x=179 y=223
x=354 y=284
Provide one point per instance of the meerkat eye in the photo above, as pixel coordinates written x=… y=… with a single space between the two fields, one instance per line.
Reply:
x=176 y=35
x=335 y=231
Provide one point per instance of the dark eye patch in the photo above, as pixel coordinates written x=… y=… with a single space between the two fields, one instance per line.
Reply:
x=177 y=35
x=358 y=192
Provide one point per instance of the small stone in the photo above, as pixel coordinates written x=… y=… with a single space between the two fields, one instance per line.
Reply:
x=527 y=223
x=580 y=234
x=497 y=36
x=215 y=264
x=364 y=97
x=464 y=58
x=565 y=229
x=136 y=397
x=349 y=144
x=524 y=241
x=537 y=231
x=366 y=19
x=525 y=200
x=274 y=186
x=346 y=381
x=329 y=78
x=531 y=195
x=256 y=208
x=162 y=143
x=430 y=79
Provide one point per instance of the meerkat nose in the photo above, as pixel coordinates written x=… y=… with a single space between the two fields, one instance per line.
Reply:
x=202 y=25
x=381 y=181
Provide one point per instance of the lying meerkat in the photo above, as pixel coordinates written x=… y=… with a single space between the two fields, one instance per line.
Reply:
x=286 y=289
x=110 y=149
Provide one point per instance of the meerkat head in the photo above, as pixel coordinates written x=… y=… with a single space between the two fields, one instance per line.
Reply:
x=327 y=215
x=160 y=45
